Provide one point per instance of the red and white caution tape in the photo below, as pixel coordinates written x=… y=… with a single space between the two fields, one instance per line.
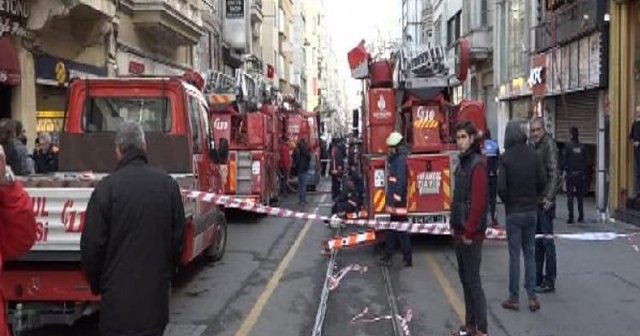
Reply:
x=334 y=280
x=434 y=229
x=404 y=320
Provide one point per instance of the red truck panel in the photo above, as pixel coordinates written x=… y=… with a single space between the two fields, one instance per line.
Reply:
x=427 y=121
x=430 y=187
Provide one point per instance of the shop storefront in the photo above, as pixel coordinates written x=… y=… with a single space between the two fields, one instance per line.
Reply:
x=13 y=15
x=52 y=77
x=136 y=64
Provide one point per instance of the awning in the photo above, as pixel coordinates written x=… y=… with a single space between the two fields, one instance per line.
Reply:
x=9 y=63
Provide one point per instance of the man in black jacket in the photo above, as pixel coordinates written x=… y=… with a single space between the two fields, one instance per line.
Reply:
x=521 y=177
x=337 y=167
x=575 y=167
x=132 y=241
x=301 y=160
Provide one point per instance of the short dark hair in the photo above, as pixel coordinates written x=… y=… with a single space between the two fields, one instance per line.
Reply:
x=466 y=126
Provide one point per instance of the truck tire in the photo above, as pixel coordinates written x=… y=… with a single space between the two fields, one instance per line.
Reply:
x=216 y=251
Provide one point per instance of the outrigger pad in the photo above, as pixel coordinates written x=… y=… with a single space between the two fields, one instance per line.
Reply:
x=95 y=152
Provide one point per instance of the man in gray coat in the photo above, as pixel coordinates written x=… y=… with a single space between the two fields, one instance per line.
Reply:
x=547 y=152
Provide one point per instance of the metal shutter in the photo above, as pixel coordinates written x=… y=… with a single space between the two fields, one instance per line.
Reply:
x=582 y=112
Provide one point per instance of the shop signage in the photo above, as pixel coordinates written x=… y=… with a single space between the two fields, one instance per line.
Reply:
x=235 y=9
x=13 y=13
x=61 y=70
x=538 y=75
x=136 y=68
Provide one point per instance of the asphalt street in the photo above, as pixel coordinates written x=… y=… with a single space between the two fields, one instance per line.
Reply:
x=270 y=280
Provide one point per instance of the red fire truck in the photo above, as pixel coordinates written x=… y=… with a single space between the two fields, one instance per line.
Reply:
x=410 y=93
x=300 y=124
x=47 y=286
x=246 y=126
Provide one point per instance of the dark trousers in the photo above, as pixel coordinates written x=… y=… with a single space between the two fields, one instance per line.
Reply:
x=493 y=192
x=343 y=207
x=575 y=188
x=545 y=249
x=469 y=260
x=398 y=239
x=521 y=235
x=323 y=166
x=336 y=188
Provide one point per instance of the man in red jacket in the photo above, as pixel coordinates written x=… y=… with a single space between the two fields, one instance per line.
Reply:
x=17 y=225
x=469 y=222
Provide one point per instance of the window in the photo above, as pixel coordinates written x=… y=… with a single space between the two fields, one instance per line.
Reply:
x=106 y=114
x=484 y=13
x=453 y=29
x=204 y=112
x=438 y=32
x=195 y=117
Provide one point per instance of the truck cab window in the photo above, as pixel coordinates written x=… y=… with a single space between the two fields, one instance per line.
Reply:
x=195 y=118
x=106 y=114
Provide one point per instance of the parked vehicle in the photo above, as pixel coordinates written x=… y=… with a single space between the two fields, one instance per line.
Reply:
x=47 y=286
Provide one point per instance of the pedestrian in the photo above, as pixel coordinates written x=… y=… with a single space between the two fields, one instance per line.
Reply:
x=575 y=160
x=396 y=200
x=46 y=156
x=492 y=151
x=337 y=168
x=547 y=152
x=469 y=223
x=17 y=159
x=521 y=177
x=20 y=143
x=324 y=156
x=284 y=163
x=132 y=240
x=634 y=136
x=302 y=160
x=17 y=225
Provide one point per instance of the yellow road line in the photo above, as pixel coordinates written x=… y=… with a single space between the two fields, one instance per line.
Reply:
x=452 y=295
x=251 y=319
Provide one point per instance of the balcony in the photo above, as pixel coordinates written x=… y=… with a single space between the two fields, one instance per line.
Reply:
x=178 y=22
x=481 y=43
x=569 y=22
x=477 y=29
x=256 y=11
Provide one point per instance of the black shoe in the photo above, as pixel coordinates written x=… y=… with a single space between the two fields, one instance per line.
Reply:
x=408 y=263
x=570 y=221
x=545 y=289
x=580 y=220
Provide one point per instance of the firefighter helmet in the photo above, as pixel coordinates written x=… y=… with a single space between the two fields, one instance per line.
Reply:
x=394 y=139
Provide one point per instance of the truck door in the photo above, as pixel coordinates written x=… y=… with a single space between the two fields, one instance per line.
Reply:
x=199 y=144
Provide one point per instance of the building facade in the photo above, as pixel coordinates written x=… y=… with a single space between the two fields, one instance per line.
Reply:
x=44 y=45
x=624 y=97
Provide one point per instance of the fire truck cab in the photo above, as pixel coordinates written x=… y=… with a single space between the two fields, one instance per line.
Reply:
x=245 y=126
x=410 y=93
x=47 y=286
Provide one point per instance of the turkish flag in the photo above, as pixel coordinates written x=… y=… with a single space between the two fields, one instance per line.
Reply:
x=271 y=71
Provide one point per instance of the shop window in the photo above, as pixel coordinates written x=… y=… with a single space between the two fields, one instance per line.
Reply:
x=106 y=114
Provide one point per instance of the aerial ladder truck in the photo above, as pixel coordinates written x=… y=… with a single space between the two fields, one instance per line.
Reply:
x=410 y=92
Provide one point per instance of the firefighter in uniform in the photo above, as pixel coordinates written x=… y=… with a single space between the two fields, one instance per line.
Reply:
x=396 y=199
x=575 y=165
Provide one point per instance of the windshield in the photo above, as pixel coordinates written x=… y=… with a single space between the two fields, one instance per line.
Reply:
x=106 y=114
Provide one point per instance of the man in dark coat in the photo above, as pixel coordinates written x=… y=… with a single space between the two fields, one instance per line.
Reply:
x=337 y=167
x=634 y=136
x=575 y=167
x=521 y=176
x=132 y=240
x=545 y=146
x=46 y=156
x=302 y=160
x=396 y=199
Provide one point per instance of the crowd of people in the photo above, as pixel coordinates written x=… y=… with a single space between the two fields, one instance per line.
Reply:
x=43 y=159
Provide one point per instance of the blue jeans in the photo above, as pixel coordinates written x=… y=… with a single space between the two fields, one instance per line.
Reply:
x=521 y=234
x=302 y=187
x=545 y=249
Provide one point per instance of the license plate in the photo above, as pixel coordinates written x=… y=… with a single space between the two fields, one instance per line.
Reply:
x=428 y=219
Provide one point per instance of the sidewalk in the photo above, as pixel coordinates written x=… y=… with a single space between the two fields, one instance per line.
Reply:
x=593 y=220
